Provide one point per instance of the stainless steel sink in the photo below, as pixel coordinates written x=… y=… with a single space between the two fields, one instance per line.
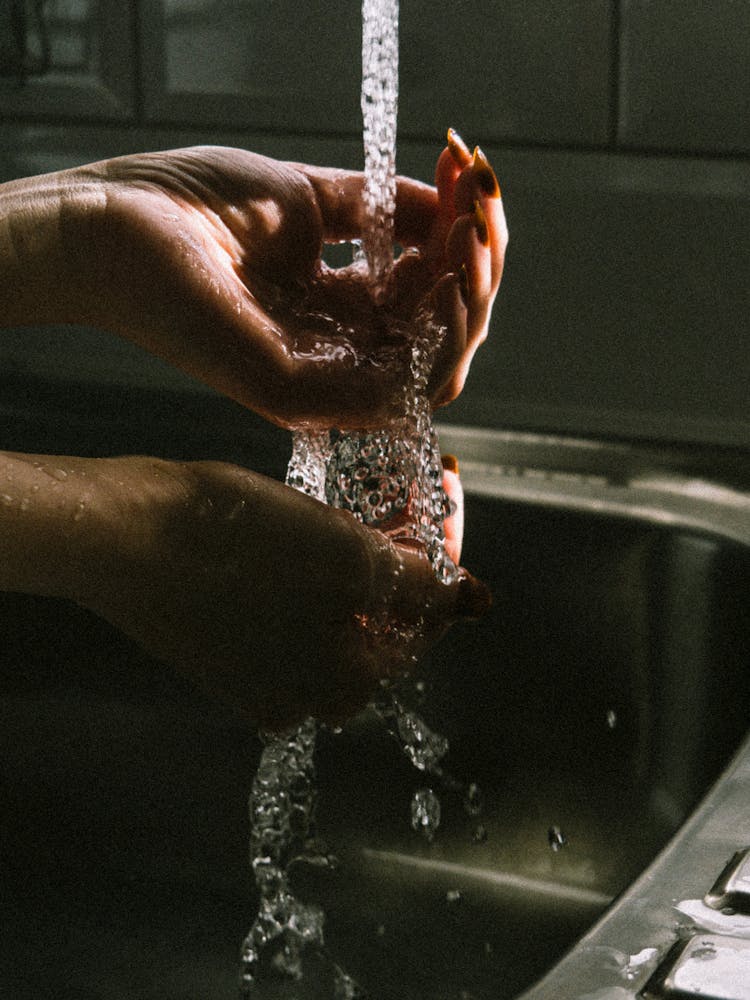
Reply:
x=595 y=707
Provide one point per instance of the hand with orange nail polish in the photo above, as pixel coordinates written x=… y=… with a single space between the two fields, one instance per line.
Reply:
x=470 y=244
x=212 y=259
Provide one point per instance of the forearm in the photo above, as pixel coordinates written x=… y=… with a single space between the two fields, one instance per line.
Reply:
x=46 y=512
x=45 y=231
x=65 y=522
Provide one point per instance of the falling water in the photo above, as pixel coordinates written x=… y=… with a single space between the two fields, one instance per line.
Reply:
x=394 y=475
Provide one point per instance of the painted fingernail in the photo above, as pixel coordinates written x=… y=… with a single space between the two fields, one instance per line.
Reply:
x=474 y=598
x=480 y=223
x=484 y=174
x=463 y=284
x=459 y=149
x=450 y=463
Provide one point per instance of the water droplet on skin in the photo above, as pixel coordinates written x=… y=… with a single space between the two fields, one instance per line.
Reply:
x=6 y=500
x=79 y=511
x=236 y=510
x=59 y=474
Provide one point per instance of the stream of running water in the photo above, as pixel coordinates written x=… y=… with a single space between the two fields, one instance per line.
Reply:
x=393 y=473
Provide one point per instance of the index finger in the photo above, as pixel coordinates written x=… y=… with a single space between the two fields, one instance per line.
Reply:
x=339 y=197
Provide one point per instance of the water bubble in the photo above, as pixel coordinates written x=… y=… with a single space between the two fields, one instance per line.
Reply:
x=611 y=718
x=453 y=896
x=346 y=988
x=473 y=800
x=424 y=748
x=479 y=835
x=556 y=838
x=425 y=813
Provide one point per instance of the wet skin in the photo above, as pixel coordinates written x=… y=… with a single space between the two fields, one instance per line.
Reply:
x=211 y=259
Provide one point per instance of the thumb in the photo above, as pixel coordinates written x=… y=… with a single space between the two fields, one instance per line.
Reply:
x=413 y=594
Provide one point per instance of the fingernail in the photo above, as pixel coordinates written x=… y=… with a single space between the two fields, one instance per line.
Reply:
x=474 y=598
x=459 y=149
x=463 y=284
x=480 y=223
x=450 y=463
x=484 y=174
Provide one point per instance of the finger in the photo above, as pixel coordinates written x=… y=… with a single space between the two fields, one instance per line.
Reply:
x=419 y=597
x=453 y=159
x=453 y=527
x=478 y=184
x=339 y=197
x=449 y=313
x=416 y=212
x=470 y=254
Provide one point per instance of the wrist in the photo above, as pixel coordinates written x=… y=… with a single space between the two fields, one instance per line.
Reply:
x=46 y=224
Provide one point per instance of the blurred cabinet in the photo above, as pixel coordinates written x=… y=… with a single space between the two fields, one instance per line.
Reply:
x=531 y=70
x=518 y=70
x=278 y=65
x=685 y=75
x=67 y=59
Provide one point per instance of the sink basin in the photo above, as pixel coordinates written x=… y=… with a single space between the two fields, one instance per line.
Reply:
x=596 y=707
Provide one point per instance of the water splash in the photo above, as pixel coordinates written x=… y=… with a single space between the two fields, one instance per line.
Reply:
x=282 y=802
x=423 y=747
x=390 y=480
x=425 y=813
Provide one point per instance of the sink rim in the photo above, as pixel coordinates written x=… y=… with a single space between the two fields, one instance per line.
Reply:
x=662 y=486
x=676 y=490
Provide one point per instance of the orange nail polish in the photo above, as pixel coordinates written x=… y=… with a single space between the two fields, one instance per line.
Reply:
x=484 y=174
x=480 y=223
x=450 y=463
x=459 y=149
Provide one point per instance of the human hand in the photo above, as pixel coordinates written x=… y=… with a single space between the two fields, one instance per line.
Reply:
x=266 y=599
x=211 y=258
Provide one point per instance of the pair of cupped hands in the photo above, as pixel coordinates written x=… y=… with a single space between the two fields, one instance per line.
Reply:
x=210 y=258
